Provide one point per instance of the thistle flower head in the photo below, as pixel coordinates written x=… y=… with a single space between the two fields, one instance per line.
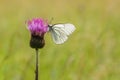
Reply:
x=37 y=26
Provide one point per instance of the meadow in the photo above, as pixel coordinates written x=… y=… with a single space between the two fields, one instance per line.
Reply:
x=92 y=52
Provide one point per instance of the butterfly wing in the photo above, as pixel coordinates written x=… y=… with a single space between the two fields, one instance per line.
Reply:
x=60 y=32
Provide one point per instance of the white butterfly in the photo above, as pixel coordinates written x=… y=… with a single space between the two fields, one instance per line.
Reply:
x=60 y=32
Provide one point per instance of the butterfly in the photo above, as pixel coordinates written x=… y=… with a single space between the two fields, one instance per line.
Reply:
x=60 y=32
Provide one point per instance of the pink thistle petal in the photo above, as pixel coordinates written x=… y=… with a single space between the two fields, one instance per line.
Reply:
x=37 y=26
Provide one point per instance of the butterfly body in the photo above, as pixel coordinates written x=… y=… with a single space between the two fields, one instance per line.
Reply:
x=60 y=32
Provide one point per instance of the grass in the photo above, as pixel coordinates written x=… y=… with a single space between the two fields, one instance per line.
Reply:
x=91 y=52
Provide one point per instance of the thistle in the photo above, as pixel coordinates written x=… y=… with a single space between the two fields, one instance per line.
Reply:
x=37 y=27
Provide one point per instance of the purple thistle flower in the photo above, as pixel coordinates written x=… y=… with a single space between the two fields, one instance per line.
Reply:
x=37 y=27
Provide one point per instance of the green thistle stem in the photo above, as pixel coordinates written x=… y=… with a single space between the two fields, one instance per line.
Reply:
x=36 y=71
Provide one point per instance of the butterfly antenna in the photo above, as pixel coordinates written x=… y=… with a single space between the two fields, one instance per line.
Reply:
x=51 y=20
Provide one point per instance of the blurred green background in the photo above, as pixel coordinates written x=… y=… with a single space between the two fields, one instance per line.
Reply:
x=92 y=52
